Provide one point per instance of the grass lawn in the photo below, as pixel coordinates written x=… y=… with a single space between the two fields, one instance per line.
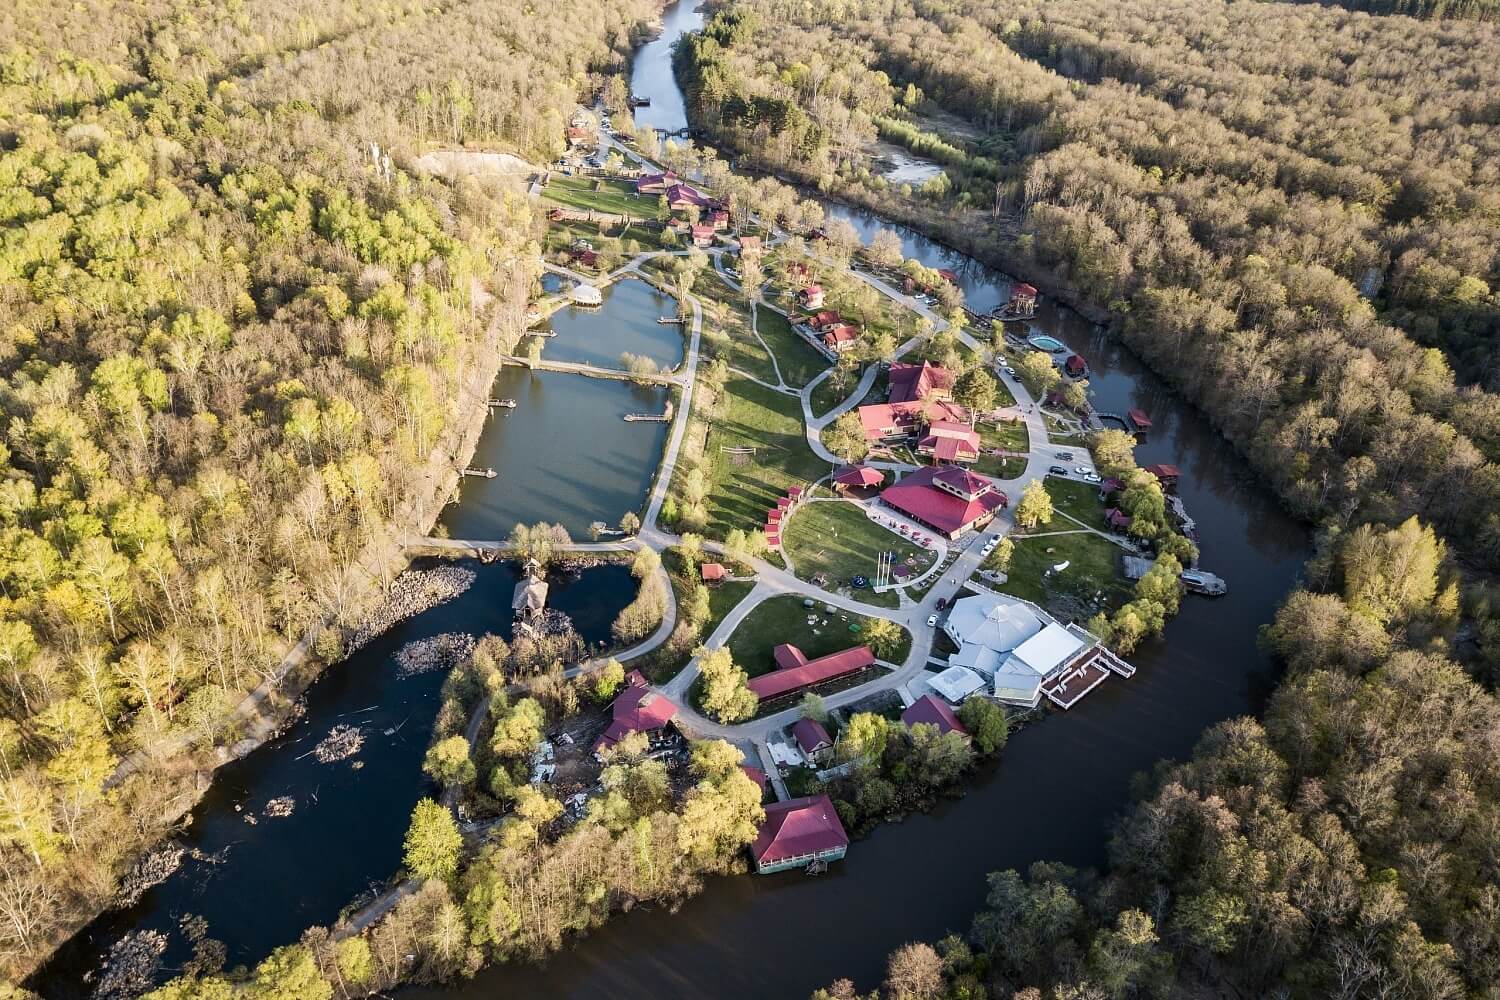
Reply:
x=1093 y=566
x=798 y=359
x=725 y=309
x=1061 y=433
x=741 y=488
x=825 y=397
x=722 y=599
x=784 y=619
x=594 y=194
x=1081 y=500
x=835 y=539
x=1009 y=435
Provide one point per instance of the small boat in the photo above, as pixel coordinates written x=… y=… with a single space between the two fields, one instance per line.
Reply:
x=480 y=473
x=817 y=867
x=1200 y=582
x=509 y=404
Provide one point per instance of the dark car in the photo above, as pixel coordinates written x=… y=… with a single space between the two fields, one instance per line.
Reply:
x=1066 y=456
x=1057 y=470
x=942 y=603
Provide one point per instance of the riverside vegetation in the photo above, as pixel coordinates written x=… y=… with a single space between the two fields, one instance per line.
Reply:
x=232 y=340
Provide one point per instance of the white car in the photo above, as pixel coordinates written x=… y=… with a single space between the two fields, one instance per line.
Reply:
x=1092 y=477
x=1083 y=470
x=932 y=621
x=1008 y=370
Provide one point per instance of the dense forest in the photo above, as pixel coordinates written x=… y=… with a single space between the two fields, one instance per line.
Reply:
x=1161 y=167
x=238 y=331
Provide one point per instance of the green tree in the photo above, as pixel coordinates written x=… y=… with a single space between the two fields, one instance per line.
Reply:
x=432 y=842
x=986 y=722
x=1039 y=373
x=977 y=390
x=884 y=637
x=846 y=437
x=726 y=694
x=1035 y=506
x=448 y=762
x=608 y=680
x=288 y=973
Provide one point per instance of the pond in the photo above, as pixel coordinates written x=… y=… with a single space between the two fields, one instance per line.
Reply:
x=267 y=882
x=565 y=454
x=625 y=323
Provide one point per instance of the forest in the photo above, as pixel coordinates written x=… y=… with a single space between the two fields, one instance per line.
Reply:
x=239 y=331
x=1161 y=170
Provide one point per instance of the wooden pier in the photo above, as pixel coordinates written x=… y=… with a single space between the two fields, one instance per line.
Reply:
x=660 y=418
x=671 y=320
x=505 y=404
x=480 y=473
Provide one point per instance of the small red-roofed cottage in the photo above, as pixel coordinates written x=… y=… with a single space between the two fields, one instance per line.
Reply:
x=840 y=337
x=1117 y=520
x=638 y=709
x=797 y=833
x=811 y=297
x=719 y=219
x=713 y=572
x=856 y=477
x=823 y=320
x=947 y=441
x=680 y=198
x=925 y=381
x=1138 y=420
x=703 y=235
x=655 y=183
x=933 y=711
x=1075 y=366
x=813 y=740
x=1166 y=474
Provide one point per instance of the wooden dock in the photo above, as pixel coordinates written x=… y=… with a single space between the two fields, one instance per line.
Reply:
x=660 y=418
x=505 y=404
x=480 y=473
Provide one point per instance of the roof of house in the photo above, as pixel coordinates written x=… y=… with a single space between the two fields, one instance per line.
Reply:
x=825 y=668
x=949 y=449
x=810 y=736
x=991 y=621
x=799 y=828
x=915 y=495
x=909 y=381
x=636 y=709
x=1048 y=649
x=827 y=317
x=1163 y=471
x=1022 y=289
x=1075 y=363
x=713 y=571
x=950 y=276
x=1117 y=519
x=841 y=333
x=812 y=290
x=962 y=480
x=859 y=475
x=749 y=243
x=933 y=711
x=702 y=231
x=683 y=193
x=756 y=775
x=879 y=419
x=1138 y=417
x=787 y=656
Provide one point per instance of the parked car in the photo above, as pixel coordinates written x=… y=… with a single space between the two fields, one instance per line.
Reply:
x=932 y=621
x=1092 y=477
x=1084 y=470
x=1009 y=370
x=1057 y=470
x=942 y=603
x=1066 y=456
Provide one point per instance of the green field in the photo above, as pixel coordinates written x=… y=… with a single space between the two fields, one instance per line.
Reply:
x=835 y=539
x=798 y=359
x=784 y=619
x=1093 y=566
x=593 y=194
x=722 y=599
x=1009 y=435
x=1080 y=500
x=725 y=309
x=741 y=488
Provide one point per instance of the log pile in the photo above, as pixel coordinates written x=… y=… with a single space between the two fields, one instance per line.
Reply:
x=414 y=592
x=441 y=652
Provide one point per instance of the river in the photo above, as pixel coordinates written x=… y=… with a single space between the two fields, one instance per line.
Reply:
x=1059 y=785
x=259 y=886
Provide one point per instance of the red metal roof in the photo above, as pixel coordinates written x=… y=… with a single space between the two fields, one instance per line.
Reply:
x=798 y=828
x=1022 y=290
x=637 y=709
x=756 y=775
x=714 y=571
x=787 y=656
x=915 y=495
x=1163 y=471
x=1075 y=364
x=962 y=480
x=825 y=668
x=909 y=382
x=934 y=712
x=827 y=317
x=841 y=333
x=1139 y=418
x=859 y=475
x=810 y=736
x=948 y=276
x=794 y=491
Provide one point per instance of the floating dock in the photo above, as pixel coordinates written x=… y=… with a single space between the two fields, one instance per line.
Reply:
x=480 y=473
x=505 y=404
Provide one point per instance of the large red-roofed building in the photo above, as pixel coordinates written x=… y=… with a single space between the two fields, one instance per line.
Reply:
x=638 y=709
x=948 y=500
x=798 y=832
x=949 y=441
x=794 y=676
x=921 y=381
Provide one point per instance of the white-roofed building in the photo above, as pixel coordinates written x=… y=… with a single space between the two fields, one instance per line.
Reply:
x=956 y=683
x=1019 y=680
x=986 y=627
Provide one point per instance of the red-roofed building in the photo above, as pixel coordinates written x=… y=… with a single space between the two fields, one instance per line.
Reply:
x=713 y=572
x=925 y=381
x=719 y=219
x=813 y=740
x=581 y=137
x=703 y=235
x=933 y=711
x=948 y=441
x=787 y=656
x=824 y=319
x=1167 y=474
x=1117 y=520
x=756 y=775
x=790 y=679
x=1022 y=299
x=810 y=297
x=655 y=183
x=680 y=198
x=944 y=502
x=797 y=833
x=749 y=246
x=858 y=477
x=1138 y=420
x=1075 y=366
x=893 y=420
x=638 y=709
x=949 y=276
x=840 y=337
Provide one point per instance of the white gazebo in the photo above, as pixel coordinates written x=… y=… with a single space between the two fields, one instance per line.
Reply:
x=585 y=295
